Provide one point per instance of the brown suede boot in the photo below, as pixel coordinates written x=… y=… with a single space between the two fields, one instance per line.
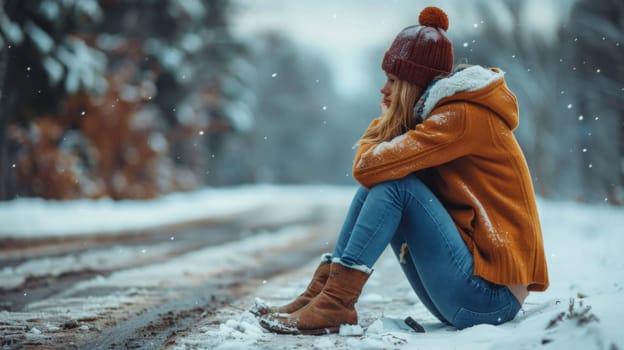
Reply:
x=334 y=306
x=315 y=287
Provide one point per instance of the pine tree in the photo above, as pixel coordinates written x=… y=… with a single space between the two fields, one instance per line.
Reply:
x=131 y=99
x=43 y=61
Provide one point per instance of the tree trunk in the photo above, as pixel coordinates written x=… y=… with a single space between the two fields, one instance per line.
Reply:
x=4 y=62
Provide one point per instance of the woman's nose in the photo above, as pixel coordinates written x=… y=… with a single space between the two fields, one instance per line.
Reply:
x=384 y=89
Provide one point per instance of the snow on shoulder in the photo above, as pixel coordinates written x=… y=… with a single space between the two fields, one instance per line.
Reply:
x=396 y=145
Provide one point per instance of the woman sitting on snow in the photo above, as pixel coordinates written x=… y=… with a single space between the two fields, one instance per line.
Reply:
x=444 y=182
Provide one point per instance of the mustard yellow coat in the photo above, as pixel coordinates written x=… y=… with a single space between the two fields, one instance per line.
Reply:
x=478 y=172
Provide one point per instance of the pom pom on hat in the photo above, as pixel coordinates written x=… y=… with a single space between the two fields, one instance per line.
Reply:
x=433 y=17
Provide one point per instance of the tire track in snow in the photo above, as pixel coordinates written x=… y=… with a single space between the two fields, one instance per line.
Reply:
x=163 y=299
x=39 y=278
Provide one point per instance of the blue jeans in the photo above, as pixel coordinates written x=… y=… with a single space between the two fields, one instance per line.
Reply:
x=438 y=265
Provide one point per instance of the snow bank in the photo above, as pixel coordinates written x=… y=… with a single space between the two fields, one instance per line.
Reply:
x=32 y=217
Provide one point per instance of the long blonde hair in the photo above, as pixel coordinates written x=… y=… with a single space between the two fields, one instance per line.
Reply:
x=398 y=118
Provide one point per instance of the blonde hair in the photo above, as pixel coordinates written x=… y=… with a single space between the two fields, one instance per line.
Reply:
x=398 y=118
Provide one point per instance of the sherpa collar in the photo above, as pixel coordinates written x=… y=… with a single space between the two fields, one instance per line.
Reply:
x=468 y=79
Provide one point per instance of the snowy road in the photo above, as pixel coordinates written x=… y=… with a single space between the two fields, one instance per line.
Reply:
x=187 y=282
x=140 y=288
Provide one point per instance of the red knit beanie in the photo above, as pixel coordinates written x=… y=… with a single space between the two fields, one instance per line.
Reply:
x=419 y=53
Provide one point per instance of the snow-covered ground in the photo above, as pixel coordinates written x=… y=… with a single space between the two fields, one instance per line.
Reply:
x=32 y=218
x=583 y=244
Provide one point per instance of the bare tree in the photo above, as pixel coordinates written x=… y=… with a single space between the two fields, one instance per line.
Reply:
x=4 y=115
x=594 y=36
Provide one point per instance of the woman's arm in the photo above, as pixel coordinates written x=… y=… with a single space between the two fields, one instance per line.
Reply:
x=442 y=137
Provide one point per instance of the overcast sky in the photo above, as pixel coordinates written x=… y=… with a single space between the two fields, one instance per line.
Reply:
x=344 y=30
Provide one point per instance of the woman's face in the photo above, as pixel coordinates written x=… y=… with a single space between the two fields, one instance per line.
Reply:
x=386 y=90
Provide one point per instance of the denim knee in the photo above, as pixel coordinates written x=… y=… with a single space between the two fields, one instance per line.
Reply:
x=411 y=182
x=395 y=182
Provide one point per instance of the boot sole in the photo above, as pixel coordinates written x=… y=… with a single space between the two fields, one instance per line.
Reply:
x=320 y=331
x=294 y=331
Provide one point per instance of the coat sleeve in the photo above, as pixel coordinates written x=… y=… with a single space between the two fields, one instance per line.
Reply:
x=444 y=136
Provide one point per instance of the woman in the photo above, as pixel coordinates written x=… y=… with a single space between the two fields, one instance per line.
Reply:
x=445 y=183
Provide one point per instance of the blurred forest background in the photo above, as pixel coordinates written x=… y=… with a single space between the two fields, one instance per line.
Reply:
x=139 y=98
